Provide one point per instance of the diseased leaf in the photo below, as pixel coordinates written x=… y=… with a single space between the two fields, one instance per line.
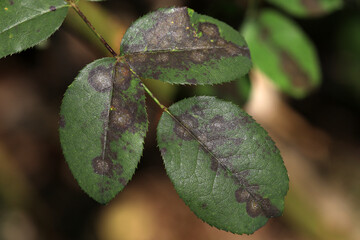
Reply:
x=308 y=8
x=283 y=52
x=24 y=24
x=226 y=168
x=177 y=45
x=102 y=127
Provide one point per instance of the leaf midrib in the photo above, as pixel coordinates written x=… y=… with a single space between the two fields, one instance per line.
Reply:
x=177 y=50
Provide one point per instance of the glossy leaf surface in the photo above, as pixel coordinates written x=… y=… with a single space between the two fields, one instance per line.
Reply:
x=308 y=8
x=224 y=166
x=177 y=45
x=102 y=127
x=25 y=23
x=281 y=50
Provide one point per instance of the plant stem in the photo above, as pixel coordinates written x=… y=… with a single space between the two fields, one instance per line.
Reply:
x=80 y=13
x=177 y=120
x=165 y=109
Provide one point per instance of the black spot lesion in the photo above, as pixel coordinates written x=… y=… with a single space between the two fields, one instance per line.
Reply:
x=52 y=8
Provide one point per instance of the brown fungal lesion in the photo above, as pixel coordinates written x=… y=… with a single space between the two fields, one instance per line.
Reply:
x=122 y=76
x=256 y=205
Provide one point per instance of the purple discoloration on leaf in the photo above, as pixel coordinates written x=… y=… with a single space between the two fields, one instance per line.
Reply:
x=52 y=8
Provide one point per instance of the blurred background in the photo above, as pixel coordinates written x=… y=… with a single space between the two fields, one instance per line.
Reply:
x=309 y=103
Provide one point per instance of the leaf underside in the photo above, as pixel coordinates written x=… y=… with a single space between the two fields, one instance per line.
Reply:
x=177 y=45
x=24 y=24
x=282 y=51
x=308 y=8
x=223 y=164
x=102 y=127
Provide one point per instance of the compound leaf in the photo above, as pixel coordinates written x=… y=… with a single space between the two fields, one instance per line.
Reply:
x=308 y=8
x=281 y=50
x=102 y=127
x=24 y=24
x=223 y=164
x=177 y=45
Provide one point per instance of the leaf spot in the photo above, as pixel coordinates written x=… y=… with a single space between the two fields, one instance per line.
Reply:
x=101 y=166
x=190 y=122
x=52 y=8
x=121 y=118
x=122 y=77
x=242 y=195
x=100 y=79
x=253 y=208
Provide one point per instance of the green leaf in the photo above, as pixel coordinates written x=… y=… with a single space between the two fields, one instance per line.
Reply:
x=25 y=23
x=281 y=50
x=177 y=45
x=308 y=8
x=102 y=127
x=224 y=166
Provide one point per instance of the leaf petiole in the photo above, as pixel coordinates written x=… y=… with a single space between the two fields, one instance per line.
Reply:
x=81 y=14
